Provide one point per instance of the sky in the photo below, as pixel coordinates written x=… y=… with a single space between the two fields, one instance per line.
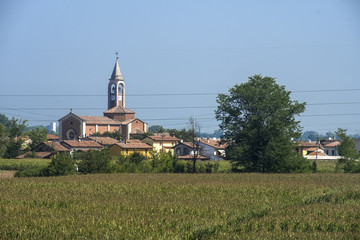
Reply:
x=176 y=56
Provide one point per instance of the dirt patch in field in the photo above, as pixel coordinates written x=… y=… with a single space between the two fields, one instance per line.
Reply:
x=7 y=174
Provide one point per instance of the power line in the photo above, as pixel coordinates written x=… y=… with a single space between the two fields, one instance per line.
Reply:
x=164 y=94
x=166 y=107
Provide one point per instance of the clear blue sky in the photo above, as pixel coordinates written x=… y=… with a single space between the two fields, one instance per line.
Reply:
x=67 y=47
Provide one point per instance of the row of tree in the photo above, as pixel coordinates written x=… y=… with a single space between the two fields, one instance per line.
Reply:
x=12 y=132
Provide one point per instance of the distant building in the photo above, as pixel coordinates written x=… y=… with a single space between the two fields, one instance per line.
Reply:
x=116 y=118
x=52 y=127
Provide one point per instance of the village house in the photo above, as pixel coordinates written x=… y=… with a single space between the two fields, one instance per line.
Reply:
x=161 y=143
x=130 y=147
x=306 y=147
x=331 y=149
x=81 y=145
x=44 y=150
x=186 y=150
x=116 y=118
x=214 y=149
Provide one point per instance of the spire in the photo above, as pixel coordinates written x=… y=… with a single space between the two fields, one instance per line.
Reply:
x=116 y=74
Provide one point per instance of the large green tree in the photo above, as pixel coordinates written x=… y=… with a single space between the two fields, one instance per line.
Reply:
x=37 y=136
x=259 y=117
x=349 y=156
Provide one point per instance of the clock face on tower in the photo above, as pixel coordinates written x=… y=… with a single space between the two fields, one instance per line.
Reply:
x=112 y=97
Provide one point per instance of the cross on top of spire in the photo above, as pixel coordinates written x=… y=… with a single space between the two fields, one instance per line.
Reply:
x=117 y=55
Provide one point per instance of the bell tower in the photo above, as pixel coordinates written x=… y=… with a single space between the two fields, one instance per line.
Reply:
x=116 y=88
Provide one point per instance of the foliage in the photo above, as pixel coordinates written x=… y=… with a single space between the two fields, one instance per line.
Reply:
x=157 y=129
x=37 y=136
x=259 y=117
x=95 y=161
x=13 y=148
x=348 y=162
x=184 y=134
x=4 y=120
x=162 y=206
x=61 y=164
x=16 y=127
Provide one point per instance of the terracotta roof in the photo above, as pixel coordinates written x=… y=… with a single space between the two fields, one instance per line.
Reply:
x=215 y=143
x=99 y=120
x=190 y=157
x=37 y=154
x=332 y=144
x=134 y=145
x=165 y=138
x=119 y=109
x=188 y=144
x=56 y=146
x=134 y=141
x=309 y=144
x=52 y=137
x=318 y=153
x=104 y=140
x=82 y=144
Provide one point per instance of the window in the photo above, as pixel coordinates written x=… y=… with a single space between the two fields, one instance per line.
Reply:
x=327 y=152
x=333 y=152
x=127 y=151
x=145 y=151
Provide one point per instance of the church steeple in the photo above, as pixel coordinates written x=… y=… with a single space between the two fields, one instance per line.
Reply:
x=116 y=88
x=116 y=74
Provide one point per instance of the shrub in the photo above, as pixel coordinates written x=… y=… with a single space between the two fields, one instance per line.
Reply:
x=61 y=164
x=95 y=161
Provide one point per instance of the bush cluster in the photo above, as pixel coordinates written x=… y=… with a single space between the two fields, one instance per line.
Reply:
x=101 y=162
x=160 y=163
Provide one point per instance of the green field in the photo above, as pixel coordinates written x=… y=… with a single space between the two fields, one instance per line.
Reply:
x=21 y=164
x=181 y=206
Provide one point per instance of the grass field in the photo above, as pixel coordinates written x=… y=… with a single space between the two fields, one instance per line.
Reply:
x=181 y=206
x=21 y=164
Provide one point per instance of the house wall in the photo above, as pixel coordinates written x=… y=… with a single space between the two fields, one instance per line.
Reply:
x=209 y=152
x=137 y=124
x=157 y=145
x=331 y=151
x=115 y=150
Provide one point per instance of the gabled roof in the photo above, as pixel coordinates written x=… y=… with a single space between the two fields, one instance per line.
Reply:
x=119 y=109
x=116 y=74
x=81 y=144
x=218 y=144
x=133 y=145
x=99 y=120
x=332 y=144
x=165 y=138
x=187 y=144
x=56 y=146
x=104 y=140
x=309 y=144
x=52 y=137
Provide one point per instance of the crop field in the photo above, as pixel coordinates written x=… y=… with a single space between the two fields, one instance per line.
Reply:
x=20 y=164
x=181 y=206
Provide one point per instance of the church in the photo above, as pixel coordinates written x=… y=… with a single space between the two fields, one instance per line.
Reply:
x=116 y=118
